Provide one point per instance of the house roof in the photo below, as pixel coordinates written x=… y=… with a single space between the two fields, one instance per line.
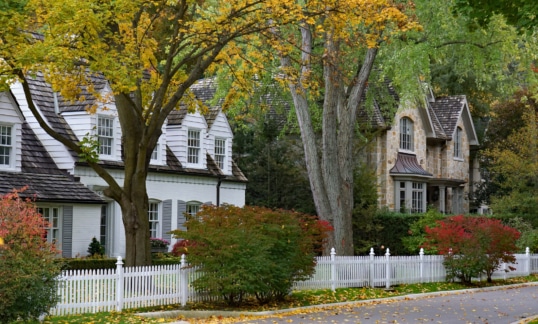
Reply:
x=448 y=111
x=43 y=179
x=46 y=101
x=47 y=187
x=407 y=164
x=204 y=90
x=380 y=113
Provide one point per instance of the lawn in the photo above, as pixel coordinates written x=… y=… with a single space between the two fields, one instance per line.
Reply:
x=296 y=299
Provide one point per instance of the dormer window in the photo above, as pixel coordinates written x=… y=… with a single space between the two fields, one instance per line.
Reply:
x=220 y=152
x=406 y=134
x=6 y=145
x=457 y=143
x=193 y=144
x=105 y=134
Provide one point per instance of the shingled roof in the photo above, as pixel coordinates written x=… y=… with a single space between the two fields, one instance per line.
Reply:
x=407 y=164
x=204 y=90
x=44 y=181
x=448 y=110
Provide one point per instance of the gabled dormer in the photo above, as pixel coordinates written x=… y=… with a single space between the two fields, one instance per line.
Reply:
x=11 y=120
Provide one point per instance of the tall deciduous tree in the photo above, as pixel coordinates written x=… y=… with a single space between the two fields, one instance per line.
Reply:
x=150 y=52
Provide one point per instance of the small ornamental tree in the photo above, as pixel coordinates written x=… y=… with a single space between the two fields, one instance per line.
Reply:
x=251 y=251
x=28 y=270
x=472 y=245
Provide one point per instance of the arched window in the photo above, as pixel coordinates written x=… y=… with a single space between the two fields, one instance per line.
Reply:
x=406 y=134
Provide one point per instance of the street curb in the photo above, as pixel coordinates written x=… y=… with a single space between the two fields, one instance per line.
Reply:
x=206 y=314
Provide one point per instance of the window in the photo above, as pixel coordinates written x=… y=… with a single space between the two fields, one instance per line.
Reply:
x=220 y=152
x=410 y=196
x=153 y=215
x=6 y=145
x=406 y=134
x=417 y=201
x=193 y=144
x=155 y=153
x=105 y=134
x=52 y=216
x=457 y=143
x=193 y=207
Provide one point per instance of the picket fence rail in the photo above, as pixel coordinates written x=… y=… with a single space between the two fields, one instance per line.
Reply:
x=92 y=291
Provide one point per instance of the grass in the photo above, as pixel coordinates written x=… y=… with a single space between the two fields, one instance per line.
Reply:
x=297 y=299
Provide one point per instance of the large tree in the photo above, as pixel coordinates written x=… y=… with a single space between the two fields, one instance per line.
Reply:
x=150 y=51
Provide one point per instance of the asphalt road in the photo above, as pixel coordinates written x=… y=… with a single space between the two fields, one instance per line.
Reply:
x=492 y=306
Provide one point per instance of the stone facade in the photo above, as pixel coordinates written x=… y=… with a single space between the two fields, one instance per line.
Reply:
x=431 y=172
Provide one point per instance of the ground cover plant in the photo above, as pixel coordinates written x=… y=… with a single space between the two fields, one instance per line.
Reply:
x=296 y=299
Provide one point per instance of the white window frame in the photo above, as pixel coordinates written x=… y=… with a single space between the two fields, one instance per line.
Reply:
x=53 y=216
x=458 y=152
x=106 y=133
x=220 y=152
x=193 y=207
x=194 y=146
x=410 y=196
x=407 y=134
x=154 y=218
x=156 y=154
x=7 y=142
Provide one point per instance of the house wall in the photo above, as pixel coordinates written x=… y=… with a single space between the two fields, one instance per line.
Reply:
x=221 y=129
x=162 y=187
x=86 y=225
x=177 y=139
x=59 y=153
x=10 y=117
x=392 y=140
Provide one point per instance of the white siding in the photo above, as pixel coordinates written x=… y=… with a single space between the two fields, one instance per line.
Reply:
x=221 y=129
x=81 y=123
x=191 y=121
x=9 y=116
x=86 y=225
x=58 y=151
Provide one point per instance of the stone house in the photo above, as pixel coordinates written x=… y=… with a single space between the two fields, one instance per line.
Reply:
x=191 y=165
x=422 y=154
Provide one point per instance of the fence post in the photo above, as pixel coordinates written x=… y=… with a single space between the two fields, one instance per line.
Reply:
x=119 y=285
x=372 y=267
x=184 y=285
x=333 y=269
x=528 y=257
x=421 y=255
x=387 y=269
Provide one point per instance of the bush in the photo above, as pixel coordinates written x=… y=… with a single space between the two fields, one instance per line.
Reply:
x=251 y=250
x=472 y=245
x=96 y=249
x=28 y=270
x=416 y=238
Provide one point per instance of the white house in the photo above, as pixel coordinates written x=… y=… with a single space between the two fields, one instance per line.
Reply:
x=191 y=165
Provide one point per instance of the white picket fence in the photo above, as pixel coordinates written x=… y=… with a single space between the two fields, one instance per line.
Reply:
x=91 y=291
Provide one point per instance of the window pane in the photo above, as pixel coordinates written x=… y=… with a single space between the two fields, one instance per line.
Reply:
x=220 y=152
x=5 y=144
x=153 y=215
x=193 y=143
x=105 y=134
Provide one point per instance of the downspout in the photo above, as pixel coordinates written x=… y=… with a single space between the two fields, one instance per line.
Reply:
x=219 y=181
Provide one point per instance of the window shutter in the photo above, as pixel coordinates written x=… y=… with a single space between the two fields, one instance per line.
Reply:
x=181 y=209
x=167 y=220
x=67 y=232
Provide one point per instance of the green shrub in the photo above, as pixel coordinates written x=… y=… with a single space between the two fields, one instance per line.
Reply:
x=28 y=271
x=89 y=263
x=251 y=250
x=95 y=249
x=416 y=236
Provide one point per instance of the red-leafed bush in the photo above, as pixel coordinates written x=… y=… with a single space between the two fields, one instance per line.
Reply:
x=251 y=251
x=28 y=271
x=472 y=245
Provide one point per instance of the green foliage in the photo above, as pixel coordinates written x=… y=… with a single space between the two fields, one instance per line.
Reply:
x=28 y=271
x=365 y=226
x=89 y=147
x=472 y=245
x=529 y=234
x=88 y=263
x=274 y=165
x=251 y=251
x=417 y=232
x=395 y=227
x=96 y=249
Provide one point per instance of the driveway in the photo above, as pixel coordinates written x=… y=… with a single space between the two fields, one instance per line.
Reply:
x=492 y=305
